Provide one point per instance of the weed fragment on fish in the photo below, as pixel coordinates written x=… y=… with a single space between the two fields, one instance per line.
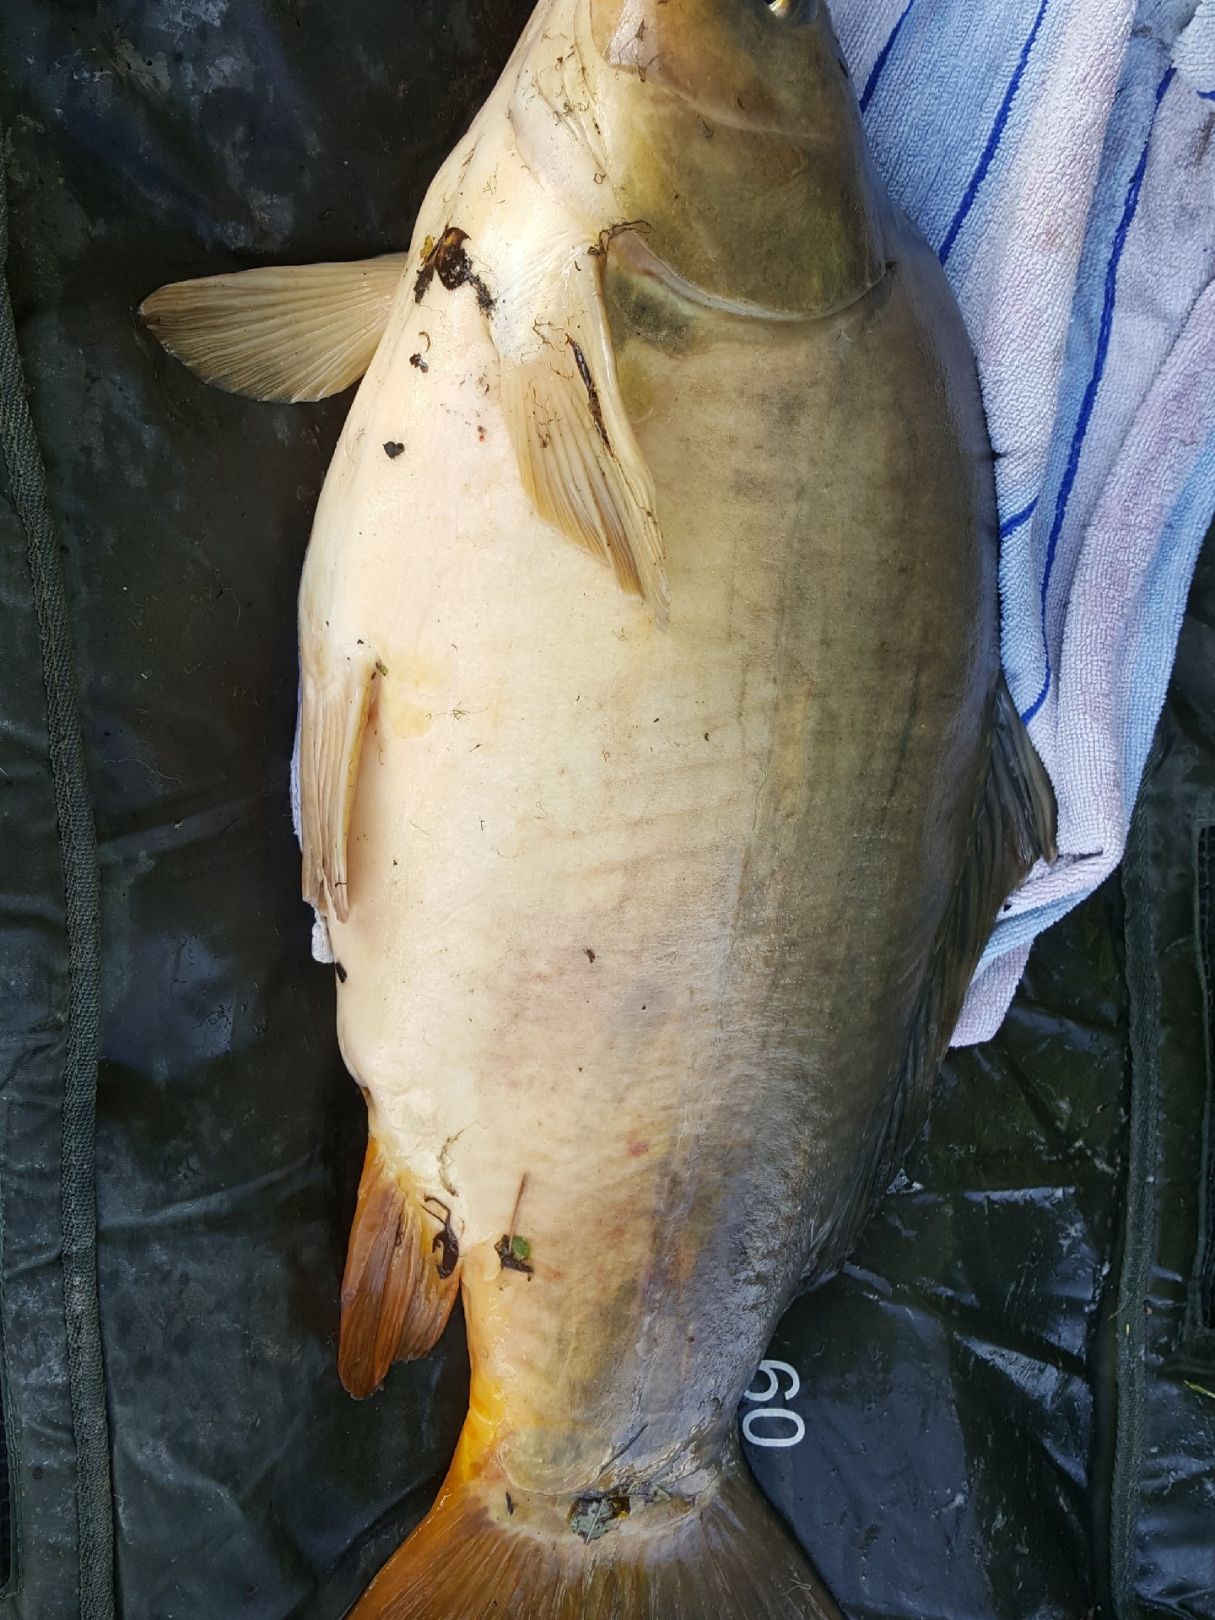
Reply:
x=606 y=237
x=448 y=260
x=445 y=1243
x=592 y=393
x=515 y=1253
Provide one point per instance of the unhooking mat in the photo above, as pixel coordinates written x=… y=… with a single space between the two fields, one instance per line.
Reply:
x=1001 y=1410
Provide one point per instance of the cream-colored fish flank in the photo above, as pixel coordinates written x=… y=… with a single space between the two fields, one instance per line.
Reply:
x=657 y=780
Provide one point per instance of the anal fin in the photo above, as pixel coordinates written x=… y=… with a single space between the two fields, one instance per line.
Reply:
x=401 y=1278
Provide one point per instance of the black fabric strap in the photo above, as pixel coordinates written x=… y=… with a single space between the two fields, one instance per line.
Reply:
x=1140 y=1219
x=27 y=485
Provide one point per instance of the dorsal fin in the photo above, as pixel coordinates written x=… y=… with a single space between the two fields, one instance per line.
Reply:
x=1014 y=826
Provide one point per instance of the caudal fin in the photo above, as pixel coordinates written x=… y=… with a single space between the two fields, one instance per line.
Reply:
x=482 y=1552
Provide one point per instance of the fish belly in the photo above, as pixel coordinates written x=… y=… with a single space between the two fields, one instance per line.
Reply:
x=638 y=916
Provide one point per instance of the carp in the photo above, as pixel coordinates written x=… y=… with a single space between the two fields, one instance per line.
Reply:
x=658 y=785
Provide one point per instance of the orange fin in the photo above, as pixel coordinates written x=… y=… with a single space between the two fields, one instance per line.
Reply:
x=402 y=1275
x=484 y=1549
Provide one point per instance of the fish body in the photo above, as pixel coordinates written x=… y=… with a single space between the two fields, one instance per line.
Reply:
x=655 y=864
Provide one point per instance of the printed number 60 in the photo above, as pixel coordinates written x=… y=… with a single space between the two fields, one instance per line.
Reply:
x=796 y=1430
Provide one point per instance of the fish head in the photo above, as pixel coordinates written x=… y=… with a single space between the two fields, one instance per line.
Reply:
x=731 y=130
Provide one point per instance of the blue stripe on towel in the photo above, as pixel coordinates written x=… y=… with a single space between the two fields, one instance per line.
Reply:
x=1094 y=383
x=879 y=66
x=1018 y=519
x=993 y=141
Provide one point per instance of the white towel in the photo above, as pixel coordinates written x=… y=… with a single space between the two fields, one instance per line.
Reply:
x=1060 y=157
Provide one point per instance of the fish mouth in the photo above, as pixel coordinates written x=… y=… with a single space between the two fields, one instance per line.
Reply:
x=634 y=254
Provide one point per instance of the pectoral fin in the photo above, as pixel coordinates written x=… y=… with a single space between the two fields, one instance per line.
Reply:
x=294 y=333
x=332 y=725
x=578 y=456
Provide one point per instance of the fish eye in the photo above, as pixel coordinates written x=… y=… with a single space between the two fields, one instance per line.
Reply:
x=786 y=10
